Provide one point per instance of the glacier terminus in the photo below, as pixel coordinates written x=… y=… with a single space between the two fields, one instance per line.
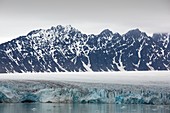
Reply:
x=108 y=88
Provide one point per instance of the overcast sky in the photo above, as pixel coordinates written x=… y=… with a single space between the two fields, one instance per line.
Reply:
x=18 y=17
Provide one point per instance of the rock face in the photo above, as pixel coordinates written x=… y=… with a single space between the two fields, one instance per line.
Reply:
x=61 y=49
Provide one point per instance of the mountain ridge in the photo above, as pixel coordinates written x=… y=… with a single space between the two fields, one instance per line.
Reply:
x=61 y=49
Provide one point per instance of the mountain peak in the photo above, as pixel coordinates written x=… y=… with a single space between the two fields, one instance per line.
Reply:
x=134 y=31
x=106 y=33
x=64 y=48
x=69 y=28
x=163 y=39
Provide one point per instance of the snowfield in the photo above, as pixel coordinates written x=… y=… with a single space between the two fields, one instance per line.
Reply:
x=128 y=77
x=152 y=87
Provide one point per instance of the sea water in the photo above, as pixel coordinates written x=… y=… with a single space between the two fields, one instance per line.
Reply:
x=81 y=108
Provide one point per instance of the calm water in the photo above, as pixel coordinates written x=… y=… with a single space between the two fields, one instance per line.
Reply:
x=80 y=108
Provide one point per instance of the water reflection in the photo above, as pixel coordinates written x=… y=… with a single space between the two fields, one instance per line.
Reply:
x=80 y=108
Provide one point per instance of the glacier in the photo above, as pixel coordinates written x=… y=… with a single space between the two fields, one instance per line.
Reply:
x=67 y=92
x=151 y=91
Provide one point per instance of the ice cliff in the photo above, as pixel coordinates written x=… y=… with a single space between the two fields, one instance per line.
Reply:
x=69 y=92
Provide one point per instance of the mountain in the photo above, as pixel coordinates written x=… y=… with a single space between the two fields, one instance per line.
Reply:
x=61 y=49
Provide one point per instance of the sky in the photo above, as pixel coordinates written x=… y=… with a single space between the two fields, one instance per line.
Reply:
x=19 y=17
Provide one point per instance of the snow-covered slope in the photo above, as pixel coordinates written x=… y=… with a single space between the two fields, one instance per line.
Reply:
x=61 y=49
x=114 y=87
